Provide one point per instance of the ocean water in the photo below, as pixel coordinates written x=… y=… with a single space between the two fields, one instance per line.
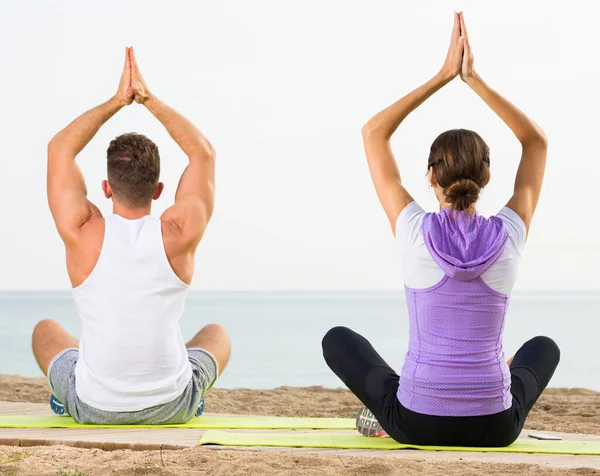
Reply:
x=277 y=336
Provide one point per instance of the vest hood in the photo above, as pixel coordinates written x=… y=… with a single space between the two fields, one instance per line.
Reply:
x=463 y=245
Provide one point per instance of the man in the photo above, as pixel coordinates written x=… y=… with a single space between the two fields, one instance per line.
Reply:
x=130 y=274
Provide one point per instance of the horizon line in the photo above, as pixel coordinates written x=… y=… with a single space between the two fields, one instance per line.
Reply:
x=310 y=291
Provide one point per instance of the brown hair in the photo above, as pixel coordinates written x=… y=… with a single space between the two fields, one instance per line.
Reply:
x=133 y=166
x=460 y=163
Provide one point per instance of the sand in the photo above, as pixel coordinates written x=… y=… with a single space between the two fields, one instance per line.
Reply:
x=565 y=410
x=67 y=461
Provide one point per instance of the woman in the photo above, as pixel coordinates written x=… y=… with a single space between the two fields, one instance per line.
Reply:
x=455 y=387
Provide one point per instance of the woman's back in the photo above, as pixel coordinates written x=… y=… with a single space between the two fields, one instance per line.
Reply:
x=455 y=388
x=459 y=270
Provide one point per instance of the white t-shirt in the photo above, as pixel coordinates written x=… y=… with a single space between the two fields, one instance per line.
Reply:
x=420 y=269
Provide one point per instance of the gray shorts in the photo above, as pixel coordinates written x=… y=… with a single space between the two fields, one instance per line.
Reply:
x=61 y=378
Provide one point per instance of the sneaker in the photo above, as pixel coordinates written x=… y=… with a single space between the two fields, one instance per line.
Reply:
x=200 y=409
x=57 y=406
x=367 y=424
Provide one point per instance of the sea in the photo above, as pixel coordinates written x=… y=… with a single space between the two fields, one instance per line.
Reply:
x=276 y=336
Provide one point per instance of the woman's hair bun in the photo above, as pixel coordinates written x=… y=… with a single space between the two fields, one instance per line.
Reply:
x=462 y=194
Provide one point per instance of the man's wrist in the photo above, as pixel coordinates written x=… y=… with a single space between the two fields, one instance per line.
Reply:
x=149 y=101
x=117 y=102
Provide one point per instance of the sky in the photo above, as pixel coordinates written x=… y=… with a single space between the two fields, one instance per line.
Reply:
x=282 y=90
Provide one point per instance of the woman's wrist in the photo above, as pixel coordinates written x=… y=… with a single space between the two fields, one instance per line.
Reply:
x=444 y=76
x=472 y=80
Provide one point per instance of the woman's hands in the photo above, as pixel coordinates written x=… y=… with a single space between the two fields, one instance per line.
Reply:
x=454 y=58
x=467 y=71
x=459 y=60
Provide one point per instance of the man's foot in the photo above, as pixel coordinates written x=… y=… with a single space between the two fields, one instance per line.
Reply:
x=200 y=409
x=57 y=406
x=367 y=424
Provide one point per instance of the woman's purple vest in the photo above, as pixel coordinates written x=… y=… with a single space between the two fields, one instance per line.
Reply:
x=455 y=363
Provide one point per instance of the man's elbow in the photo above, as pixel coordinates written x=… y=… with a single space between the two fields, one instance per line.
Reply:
x=210 y=151
x=205 y=152
x=55 y=145
x=52 y=146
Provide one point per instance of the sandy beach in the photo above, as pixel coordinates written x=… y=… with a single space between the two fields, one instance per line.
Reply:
x=564 y=410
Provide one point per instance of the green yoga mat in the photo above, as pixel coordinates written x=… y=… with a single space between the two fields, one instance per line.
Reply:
x=205 y=421
x=342 y=440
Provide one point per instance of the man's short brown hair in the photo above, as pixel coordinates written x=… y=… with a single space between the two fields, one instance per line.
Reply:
x=133 y=166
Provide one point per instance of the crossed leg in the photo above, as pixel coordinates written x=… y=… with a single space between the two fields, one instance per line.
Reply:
x=214 y=339
x=48 y=340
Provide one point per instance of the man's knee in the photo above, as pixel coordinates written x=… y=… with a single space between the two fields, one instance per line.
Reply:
x=216 y=330
x=42 y=329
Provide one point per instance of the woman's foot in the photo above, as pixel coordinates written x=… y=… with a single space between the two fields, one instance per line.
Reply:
x=367 y=424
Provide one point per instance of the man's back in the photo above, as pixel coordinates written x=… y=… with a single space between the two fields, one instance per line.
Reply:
x=83 y=253
x=130 y=273
x=132 y=354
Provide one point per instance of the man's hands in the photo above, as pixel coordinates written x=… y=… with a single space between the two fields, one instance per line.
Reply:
x=454 y=58
x=138 y=85
x=125 y=93
x=132 y=85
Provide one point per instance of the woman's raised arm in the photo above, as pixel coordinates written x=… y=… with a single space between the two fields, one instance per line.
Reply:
x=530 y=174
x=378 y=131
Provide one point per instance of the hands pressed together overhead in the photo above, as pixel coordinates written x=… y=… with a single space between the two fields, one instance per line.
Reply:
x=459 y=60
x=132 y=86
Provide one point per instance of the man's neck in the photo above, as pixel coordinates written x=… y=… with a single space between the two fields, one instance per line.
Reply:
x=130 y=213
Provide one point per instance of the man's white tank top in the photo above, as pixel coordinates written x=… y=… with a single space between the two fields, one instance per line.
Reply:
x=131 y=353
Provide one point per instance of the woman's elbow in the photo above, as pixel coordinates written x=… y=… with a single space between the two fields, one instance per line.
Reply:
x=371 y=132
x=537 y=138
x=366 y=129
x=543 y=138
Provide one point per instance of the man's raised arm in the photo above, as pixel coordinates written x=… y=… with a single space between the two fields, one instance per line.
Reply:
x=67 y=193
x=194 y=199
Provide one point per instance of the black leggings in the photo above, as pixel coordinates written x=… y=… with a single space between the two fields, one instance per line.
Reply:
x=365 y=373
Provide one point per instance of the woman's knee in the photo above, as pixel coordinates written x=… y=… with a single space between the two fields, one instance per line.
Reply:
x=334 y=337
x=540 y=347
x=547 y=347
